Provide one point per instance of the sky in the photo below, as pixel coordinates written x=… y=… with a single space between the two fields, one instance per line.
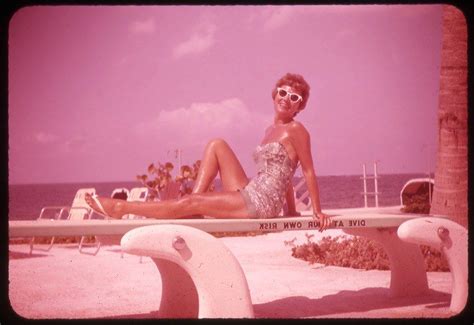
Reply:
x=97 y=93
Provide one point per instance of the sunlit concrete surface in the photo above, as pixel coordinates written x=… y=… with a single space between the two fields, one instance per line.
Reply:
x=62 y=283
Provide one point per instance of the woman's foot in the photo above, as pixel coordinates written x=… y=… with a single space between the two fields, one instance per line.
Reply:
x=107 y=207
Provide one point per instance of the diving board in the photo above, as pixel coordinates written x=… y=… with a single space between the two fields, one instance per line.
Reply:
x=120 y=227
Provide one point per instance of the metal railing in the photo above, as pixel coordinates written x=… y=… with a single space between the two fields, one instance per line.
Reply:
x=375 y=193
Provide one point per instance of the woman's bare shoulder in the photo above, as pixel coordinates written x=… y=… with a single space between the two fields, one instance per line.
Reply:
x=298 y=129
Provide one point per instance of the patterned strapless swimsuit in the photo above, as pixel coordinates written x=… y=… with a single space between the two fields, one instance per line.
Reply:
x=264 y=195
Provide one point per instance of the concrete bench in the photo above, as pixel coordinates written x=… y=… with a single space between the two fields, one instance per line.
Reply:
x=202 y=278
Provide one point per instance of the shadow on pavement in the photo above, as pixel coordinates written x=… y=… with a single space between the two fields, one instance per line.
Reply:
x=12 y=255
x=343 y=302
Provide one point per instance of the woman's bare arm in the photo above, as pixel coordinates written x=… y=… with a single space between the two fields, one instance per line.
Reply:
x=290 y=202
x=302 y=144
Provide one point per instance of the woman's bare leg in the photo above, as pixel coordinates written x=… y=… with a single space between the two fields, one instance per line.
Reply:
x=214 y=204
x=219 y=157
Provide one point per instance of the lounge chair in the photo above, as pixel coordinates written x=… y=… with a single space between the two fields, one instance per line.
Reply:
x=135 y=194
x=79 y=210
x=120 y=193
x=139 y=194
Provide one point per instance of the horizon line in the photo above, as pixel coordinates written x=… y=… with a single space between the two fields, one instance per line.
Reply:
x=135 y=181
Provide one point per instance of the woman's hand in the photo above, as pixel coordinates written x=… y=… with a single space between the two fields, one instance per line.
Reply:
x=324 y=220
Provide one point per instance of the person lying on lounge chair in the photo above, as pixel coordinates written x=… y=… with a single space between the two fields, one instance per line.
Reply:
x=286 y=142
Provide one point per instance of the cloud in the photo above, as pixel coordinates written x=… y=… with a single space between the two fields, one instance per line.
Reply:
x=43 y=138
x=277 y=16
x=197 y=124
x=77 y=144
x=198 y=42
x=143 y=26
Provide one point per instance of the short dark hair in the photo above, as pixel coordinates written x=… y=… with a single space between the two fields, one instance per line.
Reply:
x=296 y=82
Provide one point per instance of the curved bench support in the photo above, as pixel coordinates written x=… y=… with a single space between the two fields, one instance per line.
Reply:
x=451 y=239
x=408 y=275
x=200 y=276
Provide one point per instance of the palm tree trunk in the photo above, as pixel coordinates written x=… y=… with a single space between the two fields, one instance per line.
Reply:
x=450 y=190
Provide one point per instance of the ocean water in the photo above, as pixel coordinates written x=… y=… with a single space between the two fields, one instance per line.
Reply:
x=26 y=201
